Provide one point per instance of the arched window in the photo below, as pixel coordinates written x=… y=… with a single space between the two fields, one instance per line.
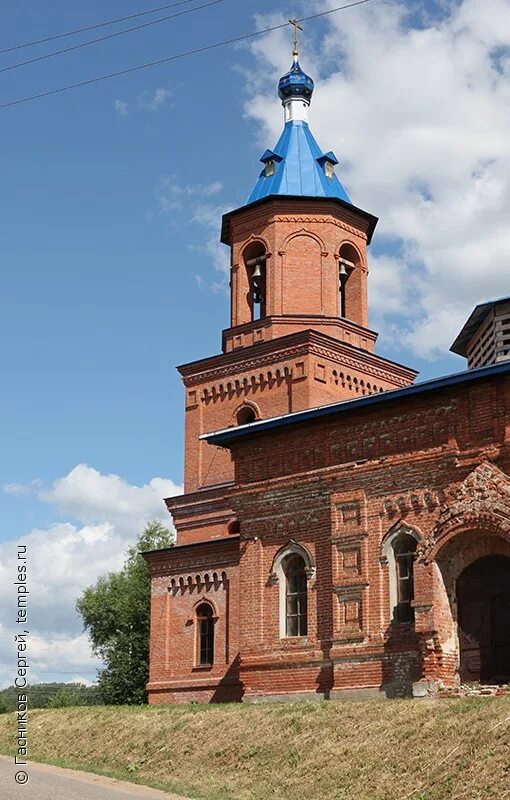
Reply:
x=296 y=596
x=245 y=415
x=399 y=553
x=404 y=548
x=205 y=635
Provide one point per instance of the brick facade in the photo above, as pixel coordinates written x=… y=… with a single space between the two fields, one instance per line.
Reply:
x=337 y=492
x=340 y=489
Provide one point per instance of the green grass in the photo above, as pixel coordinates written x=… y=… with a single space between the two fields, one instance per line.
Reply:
x=394 y=750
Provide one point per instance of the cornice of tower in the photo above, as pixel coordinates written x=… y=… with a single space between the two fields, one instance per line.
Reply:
x=299 y=209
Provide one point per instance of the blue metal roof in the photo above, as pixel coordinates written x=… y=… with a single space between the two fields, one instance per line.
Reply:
x=299 y=168
x=223 y=437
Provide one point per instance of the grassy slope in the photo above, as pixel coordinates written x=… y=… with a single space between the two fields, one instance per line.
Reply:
x=340 y=750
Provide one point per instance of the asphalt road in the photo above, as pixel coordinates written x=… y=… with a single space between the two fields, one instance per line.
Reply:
x=51 y=783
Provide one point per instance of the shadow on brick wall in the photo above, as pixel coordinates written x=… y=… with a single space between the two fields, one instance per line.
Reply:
x=230 y=689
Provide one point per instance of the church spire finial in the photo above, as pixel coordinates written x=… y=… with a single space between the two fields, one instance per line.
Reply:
x=297 y=28
x=296 y=87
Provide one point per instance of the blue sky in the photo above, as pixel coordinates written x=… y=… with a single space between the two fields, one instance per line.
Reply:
x=99 y=296
x=111 y=200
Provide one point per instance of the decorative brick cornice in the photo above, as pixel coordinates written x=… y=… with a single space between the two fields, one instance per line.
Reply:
x=247 y=366
x=346 y=542
x=242 y=366
x=348 y=590
x=366 y=362
x=210 y=561
x=321 y=220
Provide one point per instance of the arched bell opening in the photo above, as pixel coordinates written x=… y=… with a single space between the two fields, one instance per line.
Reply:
x=255 y=261
x=349 y=276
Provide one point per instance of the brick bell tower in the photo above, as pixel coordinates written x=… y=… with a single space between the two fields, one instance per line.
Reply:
x=298 y=335
x=298 y=338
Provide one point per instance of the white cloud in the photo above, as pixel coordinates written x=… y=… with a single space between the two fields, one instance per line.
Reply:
x=88 y=496
x=121 y=108
x=148 y=100
x=420 y=119
x=208 y=215
x=153 y=100
x=107 y=513
x=21 y=488
x=16 y=488
x=172 y=195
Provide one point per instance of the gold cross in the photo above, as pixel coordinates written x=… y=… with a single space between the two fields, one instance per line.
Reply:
x=297 y=28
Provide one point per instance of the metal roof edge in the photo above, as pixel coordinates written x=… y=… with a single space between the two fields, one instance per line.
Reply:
x=261 y=426
x=473 y=324
x=234 y=537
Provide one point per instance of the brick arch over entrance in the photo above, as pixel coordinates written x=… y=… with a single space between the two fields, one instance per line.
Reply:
x=474 y=523
x=480 y=502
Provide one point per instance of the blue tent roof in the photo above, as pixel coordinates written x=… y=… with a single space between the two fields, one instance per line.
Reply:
x=299 y=169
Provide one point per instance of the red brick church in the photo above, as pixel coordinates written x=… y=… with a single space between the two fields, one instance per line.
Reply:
x=344 y=531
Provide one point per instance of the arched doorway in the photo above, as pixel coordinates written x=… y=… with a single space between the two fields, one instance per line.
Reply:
x=483 y=595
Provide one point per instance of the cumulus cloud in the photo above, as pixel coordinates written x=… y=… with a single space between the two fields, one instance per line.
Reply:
x=418 y=111
x=89 y=496
x=107 y=514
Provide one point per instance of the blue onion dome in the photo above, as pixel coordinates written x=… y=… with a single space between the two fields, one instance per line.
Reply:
x=295 y=84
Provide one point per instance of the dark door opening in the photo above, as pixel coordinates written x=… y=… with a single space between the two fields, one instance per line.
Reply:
x=483 y=595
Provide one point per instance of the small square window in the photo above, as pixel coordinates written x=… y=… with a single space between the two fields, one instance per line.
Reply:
x=270 y=169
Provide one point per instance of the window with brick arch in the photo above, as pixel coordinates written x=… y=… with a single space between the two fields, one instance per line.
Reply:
x=296 y=596
x=404 y=548
x=246 y=415
x=205 y=635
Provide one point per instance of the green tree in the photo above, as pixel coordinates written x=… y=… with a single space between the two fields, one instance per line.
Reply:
x=63 y=699
x=3 y=706
x=116 y=615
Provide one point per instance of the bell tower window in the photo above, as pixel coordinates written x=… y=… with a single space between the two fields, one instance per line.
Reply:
x=348 y=272
x=255 y=258
x=329 y=169
x=345 y=269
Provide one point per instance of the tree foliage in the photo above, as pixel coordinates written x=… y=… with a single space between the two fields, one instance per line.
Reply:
x=64 y=698
x=41 y=695
x=116 y=614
